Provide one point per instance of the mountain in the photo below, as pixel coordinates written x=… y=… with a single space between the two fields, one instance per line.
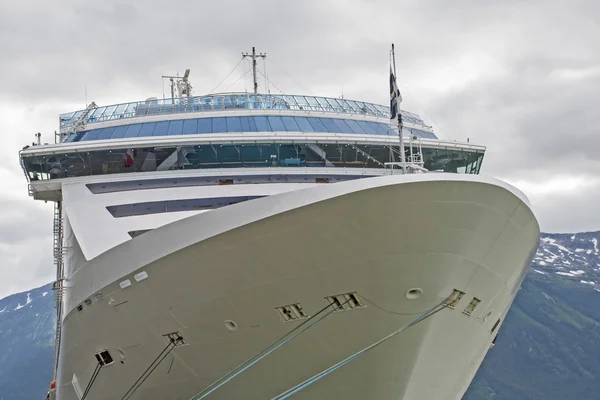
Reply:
x=548 y=347
x=27 y=324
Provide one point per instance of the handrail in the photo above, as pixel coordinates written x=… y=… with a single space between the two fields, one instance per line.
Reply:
x=224 y=101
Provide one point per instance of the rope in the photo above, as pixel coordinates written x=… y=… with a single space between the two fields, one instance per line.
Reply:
x=92 y=380
x=266 y=351
x=224 y=79
x=290 y=392
x=153 y=365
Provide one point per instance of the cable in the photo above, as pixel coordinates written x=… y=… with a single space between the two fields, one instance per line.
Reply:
x=236 y=81
x=224 y=79
x=280 y=91
x=290 y=392
x=308 y=91
x=266 y=351
x=265 y=69
x=92 y=380
x=163 y=354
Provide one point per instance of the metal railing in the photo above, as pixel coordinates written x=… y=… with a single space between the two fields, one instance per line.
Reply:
x=226 y=101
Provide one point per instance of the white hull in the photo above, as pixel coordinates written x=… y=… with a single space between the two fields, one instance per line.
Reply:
x=378 y=237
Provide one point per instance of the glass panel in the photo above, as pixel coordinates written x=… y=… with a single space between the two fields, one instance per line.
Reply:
x=175 y=127
x=276 y=124
x=248 y=124
x=290 y=102
x=105 y=133
x=204 y=125
x=119 y=111
x=190 y=126
x=130 y=109
x=262 y=125
x=161 y=128
x=342 y=126
x=234 y=124
x=334 y=105
x=290 y=124
x=324 y=104
x=90 y=135
x=133 y=130
x=303 y=124
x=344 y=104
x=355 y=127
x=109 y=111
x=317 y=124
x=302 y=104
x=352 y=105
x=219 y=125
x=366 y=126
x=330 y=125
x=147 y=129
x=119 y=132
x=380 y=129
x=313 y=103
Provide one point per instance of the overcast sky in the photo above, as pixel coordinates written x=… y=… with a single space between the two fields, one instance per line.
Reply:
x=521 y=77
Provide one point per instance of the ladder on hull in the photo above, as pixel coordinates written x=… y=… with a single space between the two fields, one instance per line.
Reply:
x=58 y=285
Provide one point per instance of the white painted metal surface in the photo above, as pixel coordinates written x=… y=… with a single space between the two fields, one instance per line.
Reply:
x=379 y=237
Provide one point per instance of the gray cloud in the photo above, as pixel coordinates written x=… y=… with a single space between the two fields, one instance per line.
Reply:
x=520 y=77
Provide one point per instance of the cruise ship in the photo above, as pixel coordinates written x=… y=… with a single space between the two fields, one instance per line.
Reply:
x=268 y=246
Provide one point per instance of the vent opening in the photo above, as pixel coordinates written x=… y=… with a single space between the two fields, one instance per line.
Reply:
x=345 y=301
x=292 y=312
x=104 y=358
x=495 y=325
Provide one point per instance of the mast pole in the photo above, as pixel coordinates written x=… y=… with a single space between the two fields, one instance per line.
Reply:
x=400 y=124
x=253 y=56
x=254 y=70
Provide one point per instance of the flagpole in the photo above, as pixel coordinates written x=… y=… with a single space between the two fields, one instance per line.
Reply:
x=400 y=125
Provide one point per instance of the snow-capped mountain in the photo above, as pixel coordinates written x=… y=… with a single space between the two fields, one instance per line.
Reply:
x=27 y=328
x=575 y=257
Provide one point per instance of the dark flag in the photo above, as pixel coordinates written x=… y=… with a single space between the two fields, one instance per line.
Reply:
x=395 y=97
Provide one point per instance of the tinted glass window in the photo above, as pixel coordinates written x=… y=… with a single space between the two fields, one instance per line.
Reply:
x=234 y=124
x=190 y=126
x=204 y=125
x=248 y=124
x=303 y=124
x=119 y=132
x=161 y=128
x=219 y=125
x=133 y=130
x=342 y=126
x=369 y=130
x=262 y=125
x=317 y=124
x=147 y=129
x=95 y=134
x=276 y=123
x=330 y=125
x=380 y=129
x=290 y=124
x=175 y=127
x=355 y=127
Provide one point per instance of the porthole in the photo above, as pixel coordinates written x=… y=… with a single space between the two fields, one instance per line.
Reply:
x=414 y=293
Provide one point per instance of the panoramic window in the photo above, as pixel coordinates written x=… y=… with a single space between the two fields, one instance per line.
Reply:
x=255 y=155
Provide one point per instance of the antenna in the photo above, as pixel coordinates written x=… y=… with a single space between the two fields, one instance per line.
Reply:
x=253 y=56
x=183 y=85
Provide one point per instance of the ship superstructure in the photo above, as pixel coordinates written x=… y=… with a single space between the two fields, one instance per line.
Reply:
x=202 y=229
